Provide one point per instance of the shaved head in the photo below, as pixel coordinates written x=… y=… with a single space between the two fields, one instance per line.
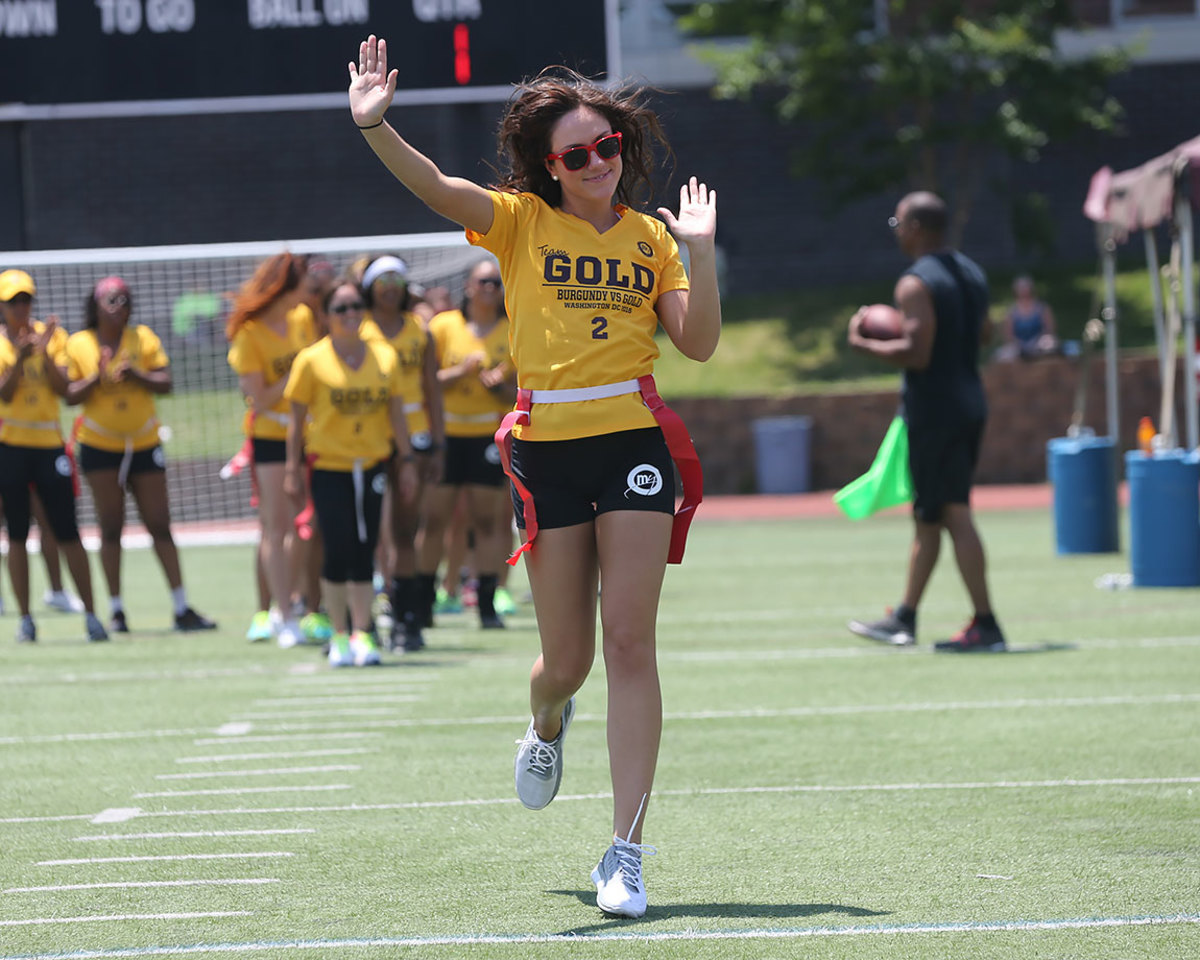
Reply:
x=927 y=210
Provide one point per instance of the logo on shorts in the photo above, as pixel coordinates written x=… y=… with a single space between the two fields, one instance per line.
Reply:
x=492 y=453
x=644 y=480
x=379 y=483
x=645 y=248
x=159 y=458
x=63 y=465
x=421 y=441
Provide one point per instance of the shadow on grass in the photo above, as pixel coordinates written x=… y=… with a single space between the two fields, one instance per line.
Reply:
x=726 y=911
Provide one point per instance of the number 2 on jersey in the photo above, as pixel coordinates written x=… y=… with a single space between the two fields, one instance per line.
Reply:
x=599 y=328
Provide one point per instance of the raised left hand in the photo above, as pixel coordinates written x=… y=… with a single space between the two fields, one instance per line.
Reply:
x=697 y=220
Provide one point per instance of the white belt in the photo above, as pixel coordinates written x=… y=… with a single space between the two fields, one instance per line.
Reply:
x=474 y=418
x=576 y=394
x=414 y=407
x=280 y=418
x=127 y=458
x=33 y=424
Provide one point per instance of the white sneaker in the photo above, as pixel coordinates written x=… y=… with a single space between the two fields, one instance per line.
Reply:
x=362 y=646
x=340 y=654
x=618 y=879
x=62 y=601
x=539 y=764
x=289 y=634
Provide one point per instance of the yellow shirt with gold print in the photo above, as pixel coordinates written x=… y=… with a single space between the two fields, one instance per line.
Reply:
x=582 y=307
x=116 y=412
x=410 y=345
x=348 y=419
x=471 y=409
x=256 y=348
x=31 y=417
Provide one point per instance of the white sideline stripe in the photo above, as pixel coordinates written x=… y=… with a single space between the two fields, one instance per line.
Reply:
x=833 y=710
x=234 y=729
x=889 y=930
x=357 y=698
x=189 y=834
x=283 y=737
x=713 y=791
x=140 y=884
x=235 y=791
x=249 y=855
x=101 y=676
x=340 y=712
x=116 y=814
x=283 y=755
x=208 y=774
x=119 y=916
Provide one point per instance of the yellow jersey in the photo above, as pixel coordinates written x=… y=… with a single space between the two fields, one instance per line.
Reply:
x=582 y=305
x=348 y=418
x=116 y=412
x=256 y=348
x=30 y=418
x=410 y=345
x=471 y=409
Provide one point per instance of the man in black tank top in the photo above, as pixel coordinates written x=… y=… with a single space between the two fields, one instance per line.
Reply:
x=944 y=300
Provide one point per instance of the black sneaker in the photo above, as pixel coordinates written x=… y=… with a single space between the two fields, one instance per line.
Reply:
x=118 y=623
x=413 y=638
x=491 y=621
x=190 y=621
x=974 y=638
x=891 y=629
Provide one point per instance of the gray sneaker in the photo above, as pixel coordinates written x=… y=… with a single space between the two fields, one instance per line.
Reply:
x=539 y=763
x=891 y=629
x=618 y=879
x=95 y=629
x=26 y=630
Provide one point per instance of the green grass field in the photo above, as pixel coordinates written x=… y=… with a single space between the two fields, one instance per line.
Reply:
x=817 y=796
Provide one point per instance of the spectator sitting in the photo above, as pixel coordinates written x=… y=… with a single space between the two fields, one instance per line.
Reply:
x=1029 y=325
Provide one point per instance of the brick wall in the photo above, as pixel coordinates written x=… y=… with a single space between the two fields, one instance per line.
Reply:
x=1030 y=403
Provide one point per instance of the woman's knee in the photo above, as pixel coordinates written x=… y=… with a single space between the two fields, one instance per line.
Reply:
x=629 y=647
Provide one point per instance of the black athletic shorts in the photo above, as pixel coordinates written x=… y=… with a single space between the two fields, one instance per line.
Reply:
x=473 y=460
x=574 y=481
x=269 y=451
x=942 y=461
x=349 y=521
x=150 y=460
x=48 y=471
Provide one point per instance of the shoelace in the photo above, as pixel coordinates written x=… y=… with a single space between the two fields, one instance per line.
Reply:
x=543 y=756
x=629 y=855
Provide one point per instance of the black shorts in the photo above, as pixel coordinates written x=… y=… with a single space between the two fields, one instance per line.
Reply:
x=348 y=521
x=150 y=460
x=473 y=460
x=942 y=461
x=269 y=451
x=48 y=471
x=574 y=481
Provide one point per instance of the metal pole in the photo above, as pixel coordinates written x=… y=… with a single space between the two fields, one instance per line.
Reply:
x=1109 y=256
x=1183 y=219
x=1156 y=297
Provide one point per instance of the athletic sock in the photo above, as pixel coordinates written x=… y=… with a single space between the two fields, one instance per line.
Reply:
x=179 y=598
x=116 y=605
x=486 y=593
x=404 y=599
x=905 y=614
x=426 y=592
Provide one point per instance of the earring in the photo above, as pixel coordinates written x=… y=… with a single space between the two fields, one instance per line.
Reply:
x=554 y=178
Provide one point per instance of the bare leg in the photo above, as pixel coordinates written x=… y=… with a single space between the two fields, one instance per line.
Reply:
x=109 y=500
x=926 y=545
x=633 y=558
x=968 y=553
x=276 y=512
x=150 y=492
x=335 y=604
x=81 y=572
x=49 y=543
x=359 y=596
x=18 y=573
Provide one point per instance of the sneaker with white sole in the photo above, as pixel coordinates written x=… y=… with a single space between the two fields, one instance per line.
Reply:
x=62 y=601
x=260 y=627
x=363 y=649
x=340 y=654
x=889 y=629
x=95 y=629
x=288 y=634
x=620 y=889
x=539 y=764
x=26 y=630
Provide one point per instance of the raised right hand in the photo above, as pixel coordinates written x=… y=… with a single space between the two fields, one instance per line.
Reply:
x=371 y=85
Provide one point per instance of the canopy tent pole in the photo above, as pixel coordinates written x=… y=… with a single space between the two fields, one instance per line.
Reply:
x=1156 y=298
x=1183 y=221
x=1108 y=255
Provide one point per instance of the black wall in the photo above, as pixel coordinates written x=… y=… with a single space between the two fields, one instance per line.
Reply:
x=131 y=182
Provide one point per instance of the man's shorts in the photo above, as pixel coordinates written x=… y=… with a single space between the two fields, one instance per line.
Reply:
x=942 y=461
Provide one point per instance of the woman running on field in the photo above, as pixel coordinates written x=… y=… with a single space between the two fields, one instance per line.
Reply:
x=588 y=281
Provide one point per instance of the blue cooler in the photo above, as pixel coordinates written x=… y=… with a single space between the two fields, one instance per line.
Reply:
x=1164 y=518
x=1082 y=471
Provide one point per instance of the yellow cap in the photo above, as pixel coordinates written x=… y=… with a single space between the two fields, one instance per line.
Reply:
x=13 y=282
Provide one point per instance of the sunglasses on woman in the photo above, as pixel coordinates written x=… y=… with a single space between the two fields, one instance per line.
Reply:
x=576 y=158
x=357 y=306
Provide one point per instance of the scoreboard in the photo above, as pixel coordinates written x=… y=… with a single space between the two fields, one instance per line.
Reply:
x=72 y=58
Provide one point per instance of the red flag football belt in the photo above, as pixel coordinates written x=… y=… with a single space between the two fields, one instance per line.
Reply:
x=679 y=444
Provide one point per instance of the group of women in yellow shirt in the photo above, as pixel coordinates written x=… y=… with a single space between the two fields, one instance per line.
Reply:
x=112 y=370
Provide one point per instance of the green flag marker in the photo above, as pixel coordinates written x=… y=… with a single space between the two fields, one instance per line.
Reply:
x=886 y=484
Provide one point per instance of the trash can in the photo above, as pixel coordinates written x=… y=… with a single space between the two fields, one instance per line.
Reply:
x=781 y=454
x=1083 y=473
x=1164 y=518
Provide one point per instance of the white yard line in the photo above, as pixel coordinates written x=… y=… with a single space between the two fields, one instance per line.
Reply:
x=285 y=737
x=191 y=834
x=282 y=755
x=236 y=791
x=248 y=855
x=140 y=884
x=263 y=772
x=42 y=921
x=335 y=712
x=352 y=698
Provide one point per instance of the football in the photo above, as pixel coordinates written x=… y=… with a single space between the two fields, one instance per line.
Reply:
x=881 y=322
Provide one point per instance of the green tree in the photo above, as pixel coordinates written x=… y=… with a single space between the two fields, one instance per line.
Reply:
x=911 y=95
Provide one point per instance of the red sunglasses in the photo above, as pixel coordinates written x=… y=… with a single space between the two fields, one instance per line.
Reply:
x=576 y=158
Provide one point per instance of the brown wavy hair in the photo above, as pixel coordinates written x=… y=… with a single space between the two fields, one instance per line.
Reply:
x=538 y=104
x=274 y=277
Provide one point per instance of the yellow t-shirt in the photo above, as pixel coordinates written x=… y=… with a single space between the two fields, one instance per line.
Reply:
x=472 y=410
x=256 y=348
x=347 y=409
x=410 y=345
x=115 y=412
x=30 y=418
x=582 y=305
